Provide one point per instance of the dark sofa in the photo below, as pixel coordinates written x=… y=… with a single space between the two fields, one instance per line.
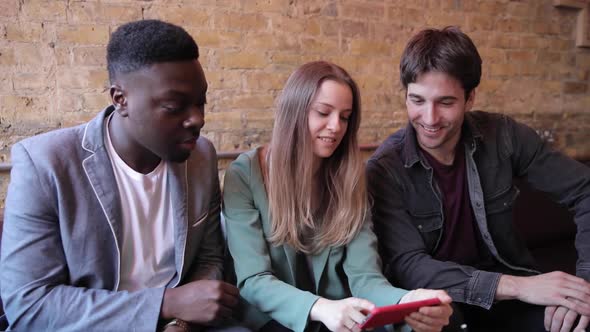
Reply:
x=547 y=228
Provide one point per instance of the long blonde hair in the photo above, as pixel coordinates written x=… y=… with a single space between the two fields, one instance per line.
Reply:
x=289 y=180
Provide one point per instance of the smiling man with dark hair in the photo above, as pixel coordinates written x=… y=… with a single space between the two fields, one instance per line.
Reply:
x=443 y=193
x=114 y=224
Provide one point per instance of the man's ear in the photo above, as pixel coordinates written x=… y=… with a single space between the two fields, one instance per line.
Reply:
x=118 y=99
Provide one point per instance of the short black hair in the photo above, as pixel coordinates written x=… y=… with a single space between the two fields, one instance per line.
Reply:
x=448 y=51
x=139 y=44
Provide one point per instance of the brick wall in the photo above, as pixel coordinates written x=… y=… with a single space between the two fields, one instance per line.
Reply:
x=52 y=60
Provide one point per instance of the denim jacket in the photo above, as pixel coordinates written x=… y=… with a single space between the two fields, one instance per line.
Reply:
x=408 y=213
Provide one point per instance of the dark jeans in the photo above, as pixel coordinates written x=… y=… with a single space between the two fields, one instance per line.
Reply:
x=504 y=316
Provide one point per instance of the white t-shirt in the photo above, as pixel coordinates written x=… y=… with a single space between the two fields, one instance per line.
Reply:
x=147 y=253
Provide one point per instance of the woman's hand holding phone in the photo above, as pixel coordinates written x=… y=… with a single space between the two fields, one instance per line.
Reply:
x=341 y=315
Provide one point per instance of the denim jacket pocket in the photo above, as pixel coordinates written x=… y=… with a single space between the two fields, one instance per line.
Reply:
x=502 y=201
x=426 y=221
x=429 y=225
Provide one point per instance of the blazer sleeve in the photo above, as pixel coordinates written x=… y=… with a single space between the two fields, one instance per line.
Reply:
x=363 y=269
x=34 y=275
x=247 y=244
x=209 y=261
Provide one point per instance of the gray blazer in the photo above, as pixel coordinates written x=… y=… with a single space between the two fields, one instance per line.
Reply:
x=60 y=255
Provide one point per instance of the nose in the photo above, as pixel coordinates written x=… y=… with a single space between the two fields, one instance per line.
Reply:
x=430 y=114
x=334 y=124
x=196 y=117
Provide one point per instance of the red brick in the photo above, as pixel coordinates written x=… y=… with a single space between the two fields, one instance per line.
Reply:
x=83 y=34
x=243 y=22
x=183 y=15
x=83 y=12
x=36 y=82
x=90 y=56
x=23 y=32
x=29 y=54
x=477 y=22
x=9 y=8
x=226 y=79
x=372 y=47
x=575 y=87
x=80 y=78
x=521 y=56
x=44 y=10
x=243 y=60
x=504 y=41
x=7 y=57
x=272 y=6
x=355 y=10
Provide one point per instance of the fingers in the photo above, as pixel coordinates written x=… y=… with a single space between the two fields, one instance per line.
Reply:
x=353 y=326
x=443 y=296
x=558 y=318
x=571 y=286
x=441 y=312
x=549 y=312
x=356 y=316
x=430 y=318
x=229 y=300
x=568 y=321
x=424 y=294
x=576 y=305
x=229 y=289
x=582 y=324
x=421 y=324
x=361 y=305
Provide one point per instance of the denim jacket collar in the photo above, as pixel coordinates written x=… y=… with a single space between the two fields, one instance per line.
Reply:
x=411 y=154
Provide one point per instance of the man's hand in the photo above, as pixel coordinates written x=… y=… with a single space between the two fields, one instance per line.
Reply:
x=342 y=315
x=562 y=319
x=431 y=318
x=550 y=289
x=204 y=302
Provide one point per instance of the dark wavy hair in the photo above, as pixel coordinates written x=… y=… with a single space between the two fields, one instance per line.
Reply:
x=448 y=51
x=139 y=44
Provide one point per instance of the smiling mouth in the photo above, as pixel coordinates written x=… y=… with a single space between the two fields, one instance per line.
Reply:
x=328 y=139
x=431 y=129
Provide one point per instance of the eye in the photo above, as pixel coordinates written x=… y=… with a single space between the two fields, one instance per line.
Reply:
x=322 y=113
x=417 y=101
x=173 y=108
x=447 y=102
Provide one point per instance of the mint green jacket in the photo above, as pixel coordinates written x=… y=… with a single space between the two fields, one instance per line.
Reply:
x=266 y=273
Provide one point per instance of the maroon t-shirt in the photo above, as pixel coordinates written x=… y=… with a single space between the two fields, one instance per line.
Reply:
x=460 y=235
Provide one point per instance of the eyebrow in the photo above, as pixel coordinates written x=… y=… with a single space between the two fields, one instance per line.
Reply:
x=413 y=95
x=332 y=106
x=182 y=95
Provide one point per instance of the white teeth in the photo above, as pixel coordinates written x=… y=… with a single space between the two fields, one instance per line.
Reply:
x=432 y=130
x=328 y=140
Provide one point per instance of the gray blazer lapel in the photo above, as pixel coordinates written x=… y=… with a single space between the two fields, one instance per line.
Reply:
x=99 y=172
x=178 y=192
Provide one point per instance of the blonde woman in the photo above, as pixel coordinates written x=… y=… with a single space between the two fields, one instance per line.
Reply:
x=297 y=217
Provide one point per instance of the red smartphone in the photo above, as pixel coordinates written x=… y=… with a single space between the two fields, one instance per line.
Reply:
x=395 y=313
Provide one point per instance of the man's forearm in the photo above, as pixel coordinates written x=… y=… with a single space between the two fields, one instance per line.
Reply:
x=507 y=288
x=167 y=311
